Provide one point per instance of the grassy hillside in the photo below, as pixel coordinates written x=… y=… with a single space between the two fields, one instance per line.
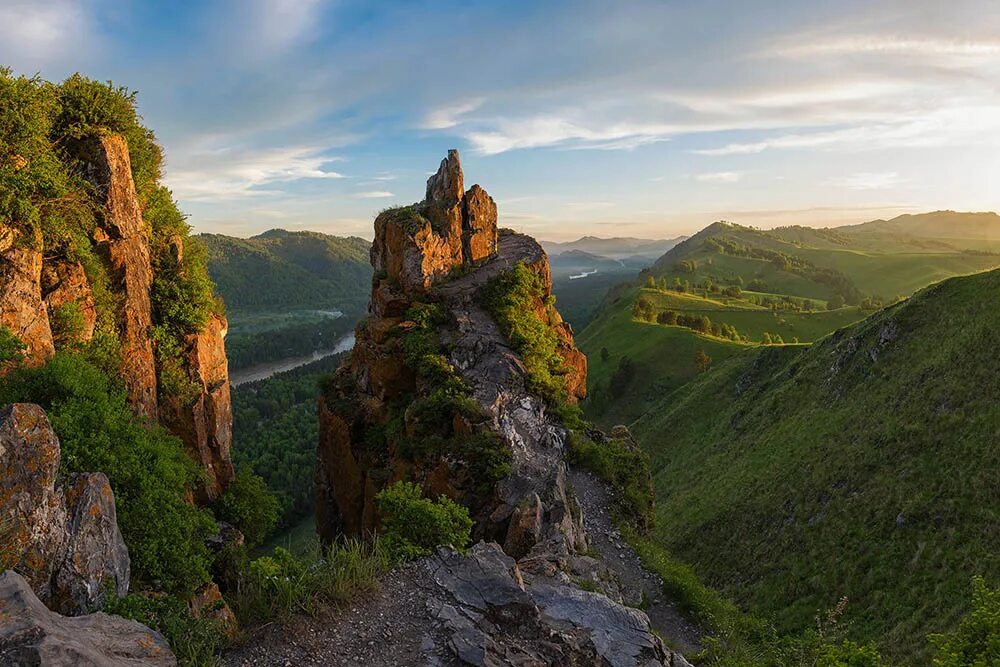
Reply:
x=798 y=283
x=663 y=358
x=863 y=466
x=280 y=270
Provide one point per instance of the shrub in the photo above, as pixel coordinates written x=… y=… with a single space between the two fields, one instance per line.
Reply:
x=148 y=469
x=195 y=641
x=976 y=641
x=67 y=322
x=279 y=585
x=413 y=526
x=250 y=506
x=10 y=345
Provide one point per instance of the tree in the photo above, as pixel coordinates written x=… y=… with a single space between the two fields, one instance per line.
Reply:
x=836 y=301
x=605 y=355
x=651 y=282
x=621 y=378
x=702 y=361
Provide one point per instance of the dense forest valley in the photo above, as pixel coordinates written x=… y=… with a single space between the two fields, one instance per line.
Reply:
x=743 y=447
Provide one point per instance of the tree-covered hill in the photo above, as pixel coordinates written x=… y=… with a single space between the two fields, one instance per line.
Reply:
x=281 y=270
x=863 y=466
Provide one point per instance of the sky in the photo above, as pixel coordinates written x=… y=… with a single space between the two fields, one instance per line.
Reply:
x=608 y=118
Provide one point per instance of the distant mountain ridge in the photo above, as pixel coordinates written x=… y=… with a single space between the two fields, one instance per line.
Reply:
x=280 y=269
x=619 y=247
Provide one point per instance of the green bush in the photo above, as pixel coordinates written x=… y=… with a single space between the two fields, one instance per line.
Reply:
x=195 y=641
x=976 y=641
x=281 y=584
x=10 y=345
x=250 y=506
x=413 y=526
x=149 y=471
x=67 y=323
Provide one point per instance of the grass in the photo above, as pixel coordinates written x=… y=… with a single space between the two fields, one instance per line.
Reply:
x=790 y=477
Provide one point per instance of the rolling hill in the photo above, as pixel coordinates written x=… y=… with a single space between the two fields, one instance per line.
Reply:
x=800 y=283
x=861 y=466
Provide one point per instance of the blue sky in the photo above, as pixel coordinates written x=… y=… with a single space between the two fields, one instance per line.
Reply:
x=626 y=118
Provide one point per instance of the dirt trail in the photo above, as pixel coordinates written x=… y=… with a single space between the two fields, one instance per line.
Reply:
x=644 y=587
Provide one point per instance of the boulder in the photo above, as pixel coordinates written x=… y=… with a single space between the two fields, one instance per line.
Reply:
x=30 y=634
x=492 y=615
x=66 y=543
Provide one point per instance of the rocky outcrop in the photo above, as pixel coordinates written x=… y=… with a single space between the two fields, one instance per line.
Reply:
x=387 y=416
x=123 y=238
x=419 y=245
x=66 y=542
x=206 y=424
x=494 y=613
x=21 y=308
x=30 y=634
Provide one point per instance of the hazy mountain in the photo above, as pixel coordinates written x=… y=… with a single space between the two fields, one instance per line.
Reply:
x=618 y=247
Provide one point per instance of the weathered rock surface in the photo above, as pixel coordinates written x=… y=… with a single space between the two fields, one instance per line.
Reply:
x=123 y=237
x=30 y=634
x=495 y=614
x=206 y=425
x=418 y=246
x=66 y=543
x=21 y=308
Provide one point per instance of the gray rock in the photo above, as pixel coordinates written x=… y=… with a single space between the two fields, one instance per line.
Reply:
x=491 y=615
x=31 y=635
x=66 y=543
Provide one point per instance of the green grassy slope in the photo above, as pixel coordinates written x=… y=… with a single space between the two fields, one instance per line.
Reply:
x=663 y=356
x=280 y=270
x=864 y=466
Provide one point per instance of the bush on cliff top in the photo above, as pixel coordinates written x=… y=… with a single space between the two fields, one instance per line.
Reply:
x=148 y=469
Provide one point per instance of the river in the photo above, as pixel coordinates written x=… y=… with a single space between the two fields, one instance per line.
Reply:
x=264 y=371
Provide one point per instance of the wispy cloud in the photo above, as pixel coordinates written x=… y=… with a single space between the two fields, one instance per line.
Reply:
x=34 y=33
x=373 y=194
x=869 y=181
x=719 y=177
x=449 y=116
x=219 y=174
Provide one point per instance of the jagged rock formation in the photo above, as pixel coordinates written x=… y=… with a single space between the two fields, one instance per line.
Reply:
x=64 y=540
x=36 y=282
x=384 y=417
x=206 y=425
x=30 y=634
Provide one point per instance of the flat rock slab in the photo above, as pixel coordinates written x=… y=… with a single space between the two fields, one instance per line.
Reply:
x=31 y=635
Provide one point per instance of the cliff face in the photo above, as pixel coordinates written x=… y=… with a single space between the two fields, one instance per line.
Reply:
x=38 y=283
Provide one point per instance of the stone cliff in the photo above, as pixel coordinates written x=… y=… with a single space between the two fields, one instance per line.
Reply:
x=435 y=393
x=37 y=283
